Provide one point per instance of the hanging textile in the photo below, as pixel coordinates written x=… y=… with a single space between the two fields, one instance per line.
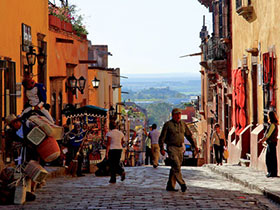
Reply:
x=234 y=97
x=269 y=71
x=239 y=118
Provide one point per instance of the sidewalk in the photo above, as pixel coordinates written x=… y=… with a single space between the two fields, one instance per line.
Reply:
x=250 y=178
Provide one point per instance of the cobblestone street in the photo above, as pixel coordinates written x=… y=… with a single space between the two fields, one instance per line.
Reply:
x=144 y=188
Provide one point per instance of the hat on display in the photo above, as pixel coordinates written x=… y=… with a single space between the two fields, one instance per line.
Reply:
x=10 y=118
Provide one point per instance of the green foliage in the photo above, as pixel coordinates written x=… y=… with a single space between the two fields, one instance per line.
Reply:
x=159 y=113
x=69 y=14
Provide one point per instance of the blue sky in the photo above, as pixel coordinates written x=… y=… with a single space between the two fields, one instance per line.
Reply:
x=146 y=36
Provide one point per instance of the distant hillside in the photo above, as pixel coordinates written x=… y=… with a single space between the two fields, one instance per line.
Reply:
x=185 y=85
x=153 y=93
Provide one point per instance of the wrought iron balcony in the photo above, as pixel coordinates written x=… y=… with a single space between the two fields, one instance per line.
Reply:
x=244 y=8
x=214 y=54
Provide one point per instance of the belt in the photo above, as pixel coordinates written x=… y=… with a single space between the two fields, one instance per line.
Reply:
x=174 y=145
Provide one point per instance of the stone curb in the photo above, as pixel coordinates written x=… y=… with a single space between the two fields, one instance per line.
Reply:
x=271 y=195
x=54 y=172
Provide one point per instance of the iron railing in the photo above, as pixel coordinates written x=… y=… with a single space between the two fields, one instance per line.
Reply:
x=238 y=4
x=214 y=49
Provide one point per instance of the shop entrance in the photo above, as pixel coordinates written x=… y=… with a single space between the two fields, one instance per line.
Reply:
x=8 y=96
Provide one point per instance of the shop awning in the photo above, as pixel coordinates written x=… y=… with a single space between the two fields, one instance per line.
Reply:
x=88 y=110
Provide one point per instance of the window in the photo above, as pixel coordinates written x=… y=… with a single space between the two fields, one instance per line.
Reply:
x=269 y=80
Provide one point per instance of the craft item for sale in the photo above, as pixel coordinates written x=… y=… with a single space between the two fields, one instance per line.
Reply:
x=49 y=149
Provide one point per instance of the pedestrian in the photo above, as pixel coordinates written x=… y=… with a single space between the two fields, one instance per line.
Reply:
x=154 y=135
x=148 y=154
x=115 y=140
x=35 y=97
x=270 y=138
x=172 y=135
x=219 y=142
x=76 y=137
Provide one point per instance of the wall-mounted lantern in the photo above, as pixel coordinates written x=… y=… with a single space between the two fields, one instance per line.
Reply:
x=95 y=82
x=111 y=111
x=82 y=84
x=73 y=83
x=41 y=57
x=31 y=56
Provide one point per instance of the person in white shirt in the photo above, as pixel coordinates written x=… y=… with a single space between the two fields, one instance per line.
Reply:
x=154 y=135
x=115 y=140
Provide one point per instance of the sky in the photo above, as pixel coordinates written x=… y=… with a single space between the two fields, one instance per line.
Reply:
x=147 y=36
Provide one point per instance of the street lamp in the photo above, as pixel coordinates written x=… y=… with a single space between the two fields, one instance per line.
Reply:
x=41 y=57
x=111 y=111
x=31 y=56
x=82 y=84
x=73 y=83
x=95 y=82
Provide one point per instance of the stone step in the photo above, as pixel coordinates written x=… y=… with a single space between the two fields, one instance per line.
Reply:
x=244 y=162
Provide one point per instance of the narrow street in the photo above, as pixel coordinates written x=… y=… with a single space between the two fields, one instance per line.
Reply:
x=144 y=188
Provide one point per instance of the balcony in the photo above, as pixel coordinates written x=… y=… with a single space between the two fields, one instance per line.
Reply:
x=215 y=55
x=244 y=8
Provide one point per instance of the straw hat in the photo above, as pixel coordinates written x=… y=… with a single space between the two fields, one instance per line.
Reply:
x=10 y=118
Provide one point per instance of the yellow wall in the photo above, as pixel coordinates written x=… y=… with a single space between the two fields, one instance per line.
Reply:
x=264 y=29
x=105 y=91
x=13 y=13
x=93 y=92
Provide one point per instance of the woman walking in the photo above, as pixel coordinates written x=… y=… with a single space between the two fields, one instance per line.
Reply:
x=115 y=140
x=270 y=138
x=219 y=142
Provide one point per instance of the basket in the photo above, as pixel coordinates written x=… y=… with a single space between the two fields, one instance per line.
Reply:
x=49 y=150
x=20 y=192
x=36 y=136
x=35 y=171
x=49 y=128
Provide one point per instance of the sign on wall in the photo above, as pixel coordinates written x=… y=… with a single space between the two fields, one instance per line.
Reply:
x=26 y=37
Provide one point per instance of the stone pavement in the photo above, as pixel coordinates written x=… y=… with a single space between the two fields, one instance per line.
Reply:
x=250 y=178
x=144 y=188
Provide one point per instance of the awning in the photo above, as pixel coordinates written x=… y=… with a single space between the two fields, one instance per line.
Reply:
x=88 y=110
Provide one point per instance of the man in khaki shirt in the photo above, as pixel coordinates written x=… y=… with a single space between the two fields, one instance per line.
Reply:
x=172 y=135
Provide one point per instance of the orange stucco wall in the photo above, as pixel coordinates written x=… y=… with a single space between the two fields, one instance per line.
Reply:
x=33 y=13
x=61 y=54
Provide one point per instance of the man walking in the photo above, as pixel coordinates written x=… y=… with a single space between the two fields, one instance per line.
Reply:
x=172 y=135
x=154 y=135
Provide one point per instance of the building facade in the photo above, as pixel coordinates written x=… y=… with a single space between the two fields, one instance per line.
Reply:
x=215 y=73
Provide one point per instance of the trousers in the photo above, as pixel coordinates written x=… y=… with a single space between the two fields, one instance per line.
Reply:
x=271 y=159
x=114 y=161
x=219 y=150
x=148 y=156
x=176 y=158
x=155 y=153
